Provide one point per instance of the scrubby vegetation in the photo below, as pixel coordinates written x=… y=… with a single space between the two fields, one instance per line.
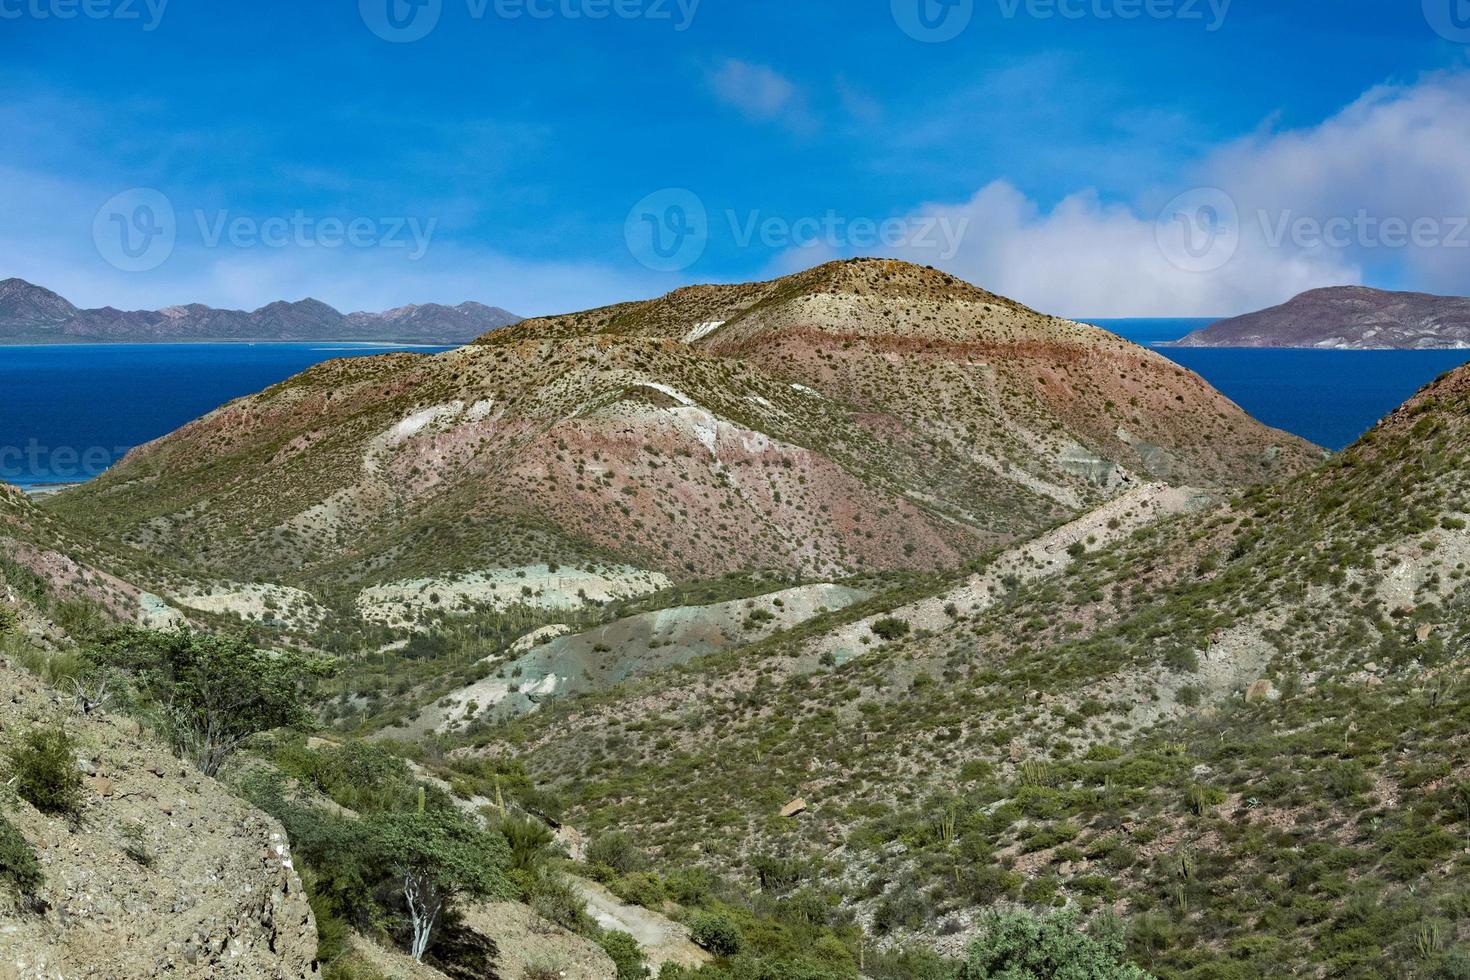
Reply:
x=19 y=869
x=44 y=773
x=1221 y=745
x=209 y=693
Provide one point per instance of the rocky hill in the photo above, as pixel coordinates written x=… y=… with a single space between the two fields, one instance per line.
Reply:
x=848 y=609
x=863 y=416
x=162 y=873
x=1347 y=318
x=32 y=314
x=1221 y=719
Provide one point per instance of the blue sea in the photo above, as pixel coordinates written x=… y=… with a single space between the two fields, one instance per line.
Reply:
x=1330 y=397
x=67 y=412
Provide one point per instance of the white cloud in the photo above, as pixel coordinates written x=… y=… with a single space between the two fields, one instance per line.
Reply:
x=761 y=94
x=1396 y=153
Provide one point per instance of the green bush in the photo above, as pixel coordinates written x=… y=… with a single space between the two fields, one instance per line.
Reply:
x=641 y=888
x=18 y=865
x=210 y=693
x=890 y=629
x=717 y=933
x=555 y=900
x=1023 y=946
x=44 y=766
x=616 y=852
x=625 y=953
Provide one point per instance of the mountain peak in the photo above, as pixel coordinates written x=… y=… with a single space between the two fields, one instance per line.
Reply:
x=28 y=306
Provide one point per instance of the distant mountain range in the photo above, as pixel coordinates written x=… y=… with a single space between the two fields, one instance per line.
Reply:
x=33 y=314
x=1347 y=318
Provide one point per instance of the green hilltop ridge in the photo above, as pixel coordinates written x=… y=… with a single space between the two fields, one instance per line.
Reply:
x=861 y=624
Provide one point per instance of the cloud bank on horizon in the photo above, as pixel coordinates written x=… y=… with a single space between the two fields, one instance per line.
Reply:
x=1373 y=196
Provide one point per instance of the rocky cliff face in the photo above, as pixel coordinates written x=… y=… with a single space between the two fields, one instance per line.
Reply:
x=164 y=873
x=1347 y=318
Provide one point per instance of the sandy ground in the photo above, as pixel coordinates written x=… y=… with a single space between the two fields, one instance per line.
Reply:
x=536 y=586
x=663 y=940
x=258 y=603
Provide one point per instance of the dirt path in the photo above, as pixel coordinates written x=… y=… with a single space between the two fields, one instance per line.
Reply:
x=663 y=940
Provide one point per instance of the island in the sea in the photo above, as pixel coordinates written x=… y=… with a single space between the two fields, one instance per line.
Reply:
x=1347 y=318
x=31 y=314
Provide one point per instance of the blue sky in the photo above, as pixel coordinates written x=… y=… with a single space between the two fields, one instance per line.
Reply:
x=1046 y=150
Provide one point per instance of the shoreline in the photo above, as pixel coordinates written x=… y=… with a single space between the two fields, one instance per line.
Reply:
x=194 y=342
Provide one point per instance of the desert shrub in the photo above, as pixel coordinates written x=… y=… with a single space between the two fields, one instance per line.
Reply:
x=398 y=871
x=1181 y=660
x=625 y=953
x=210 y=693
x=530 y=844
x=904 y=909
x=641 y=888
x=890 y=628
x=616 y=852
x=717 y=933
x=1201 y=799
x=553 y=898
x=18 y=866
x=1023 y=946
x=44 y=767
x=778 y=875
